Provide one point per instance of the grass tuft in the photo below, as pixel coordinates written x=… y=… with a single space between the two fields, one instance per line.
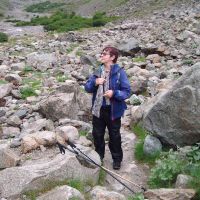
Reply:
x=141 y=133
x=102 y=177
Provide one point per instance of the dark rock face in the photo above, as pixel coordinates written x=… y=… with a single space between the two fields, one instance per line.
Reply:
x=174 y=118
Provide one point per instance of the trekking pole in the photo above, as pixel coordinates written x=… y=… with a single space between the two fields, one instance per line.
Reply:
x=105 y=169
x=92 y=161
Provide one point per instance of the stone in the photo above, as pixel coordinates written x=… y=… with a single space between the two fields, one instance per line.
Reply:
x=62 y=192
x=36 y=174
x=9 y=131
x=5 y=90
x=34 y=140
x=68 y=132
x=60 y=106
x=21 y=113
x=101 y=193
x=169 y=194
x=182 y=181
x=14 y=78
x=152 y=145
x=14 y=120
x=18 y=66
x=128 y=46
x=174 y=116
x=34 y=126
x=8 y=157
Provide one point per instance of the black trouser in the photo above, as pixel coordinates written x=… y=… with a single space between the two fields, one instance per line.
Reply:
x=98 y=132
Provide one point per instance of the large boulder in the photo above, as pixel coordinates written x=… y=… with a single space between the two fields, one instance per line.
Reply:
x=174 y=117
x=128 y=46
x=60 y=106
x=68 y=101
x=41 y=61
x=35 y=175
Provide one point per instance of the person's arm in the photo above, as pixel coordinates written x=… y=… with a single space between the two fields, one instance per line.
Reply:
x=125 y=90
x=90 y=85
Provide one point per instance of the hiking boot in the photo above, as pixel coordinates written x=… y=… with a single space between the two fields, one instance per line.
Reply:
x=116 y=165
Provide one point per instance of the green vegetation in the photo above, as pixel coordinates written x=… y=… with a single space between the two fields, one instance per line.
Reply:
x=188 y=62
x=61 y=78
x=165 y=166
x=138 y=196
x=27 y=92
x=102 y=177
x=63 y=22
x=27 y=69
x=139 y=131
x=71 y=47
x=83 y=133
x=79 y=52
x=99 y=19
x=139 y=153
x=43 y=7
x=3 y=37
x=139 y=59
x=31 y=82
x=3 y=81
x=49 y=185
x=172 y=163
x=166 y=170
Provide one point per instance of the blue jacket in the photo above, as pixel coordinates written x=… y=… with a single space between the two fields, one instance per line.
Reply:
x=120 y=85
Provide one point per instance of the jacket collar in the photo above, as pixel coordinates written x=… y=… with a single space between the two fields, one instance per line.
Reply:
x=114 y=69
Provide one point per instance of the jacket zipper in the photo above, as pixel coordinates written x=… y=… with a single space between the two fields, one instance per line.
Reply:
x=112 y=115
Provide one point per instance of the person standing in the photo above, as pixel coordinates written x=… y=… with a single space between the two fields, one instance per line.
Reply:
x=110 y=87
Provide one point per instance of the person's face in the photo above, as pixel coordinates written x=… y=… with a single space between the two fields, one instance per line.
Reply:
x=105 y=57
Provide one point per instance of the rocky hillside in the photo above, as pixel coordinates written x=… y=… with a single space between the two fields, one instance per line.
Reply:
x=42 y=99
x=13 y=8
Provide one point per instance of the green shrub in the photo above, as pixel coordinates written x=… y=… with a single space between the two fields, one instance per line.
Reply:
x=63 y=22
x=166 y=170
x=3 y=37
x=193 y=154
x=100 y=19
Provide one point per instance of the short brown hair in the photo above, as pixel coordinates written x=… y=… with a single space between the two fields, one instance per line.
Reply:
x=113 y=52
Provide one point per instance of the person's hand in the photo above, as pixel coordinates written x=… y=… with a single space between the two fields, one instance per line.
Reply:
x=108 y=94
x=100 y=81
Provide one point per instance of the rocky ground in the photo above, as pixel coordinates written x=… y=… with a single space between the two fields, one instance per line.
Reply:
x=155 y=52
